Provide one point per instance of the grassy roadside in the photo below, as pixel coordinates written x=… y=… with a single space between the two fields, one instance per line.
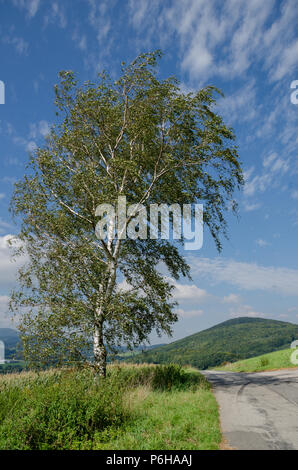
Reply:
x=275 y=360
x=177 y=419
x=136 y=407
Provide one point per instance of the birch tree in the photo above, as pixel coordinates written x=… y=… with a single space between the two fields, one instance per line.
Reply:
x=138 y=137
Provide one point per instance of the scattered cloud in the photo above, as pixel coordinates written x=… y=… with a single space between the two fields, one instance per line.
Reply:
x=188 y=292
x=251 y=206
x=222 y=38
x=20 y=45
x=238 y=309
x=5 y=318
x=56 y=15
x=8 y=268
x=99 y=19
x=245 y=311
x=189 y=313
x=80 y=40
x=232 y=299
x=39 y=129
x=8 y=179
x=36 y=132
x=4 y=227
x=30 y=6
x=273 y=167
x=262 y=243
x=240 y=105
x=247 y=276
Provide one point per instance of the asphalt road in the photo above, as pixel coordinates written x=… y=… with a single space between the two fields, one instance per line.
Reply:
x=258 y=411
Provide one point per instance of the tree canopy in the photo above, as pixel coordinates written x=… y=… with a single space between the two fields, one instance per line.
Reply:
x=138 y=137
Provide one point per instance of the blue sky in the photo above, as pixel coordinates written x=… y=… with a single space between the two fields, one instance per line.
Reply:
x=247 y=49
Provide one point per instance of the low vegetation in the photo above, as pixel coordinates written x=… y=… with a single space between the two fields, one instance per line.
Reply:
x=16 y=366
x=271 y=361
x=135 y=407
x=230 y=341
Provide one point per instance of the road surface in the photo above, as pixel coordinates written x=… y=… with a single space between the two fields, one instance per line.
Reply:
x=258 y=411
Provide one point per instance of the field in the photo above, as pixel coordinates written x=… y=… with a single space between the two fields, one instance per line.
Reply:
x=271 y=361
x=135 y=407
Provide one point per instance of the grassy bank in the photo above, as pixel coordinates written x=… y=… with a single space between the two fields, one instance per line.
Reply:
x=135 y=407
x=271 y=361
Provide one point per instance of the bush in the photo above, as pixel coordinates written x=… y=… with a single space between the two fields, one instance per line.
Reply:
x=53 y=412
x=68 y=409
x=157 y=377
x=264 y=361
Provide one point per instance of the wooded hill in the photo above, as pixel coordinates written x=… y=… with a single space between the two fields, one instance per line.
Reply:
x=229 y=341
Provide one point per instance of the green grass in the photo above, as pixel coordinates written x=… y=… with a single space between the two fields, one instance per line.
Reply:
x=274 y=360
x=184 y=419
x=135 y=407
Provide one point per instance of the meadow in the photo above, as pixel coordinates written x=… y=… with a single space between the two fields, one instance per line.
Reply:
x=135 y=407
x=271 y=361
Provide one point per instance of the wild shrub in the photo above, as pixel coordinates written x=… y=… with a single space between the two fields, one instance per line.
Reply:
x=264 y=361
x=69 y=409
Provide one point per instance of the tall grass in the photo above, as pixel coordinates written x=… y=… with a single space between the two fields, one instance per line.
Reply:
x=68 y=409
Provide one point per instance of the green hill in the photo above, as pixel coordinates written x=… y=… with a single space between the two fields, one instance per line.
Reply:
x=229 y=341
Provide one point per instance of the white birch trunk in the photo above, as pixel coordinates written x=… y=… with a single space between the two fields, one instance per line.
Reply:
x=99 y=350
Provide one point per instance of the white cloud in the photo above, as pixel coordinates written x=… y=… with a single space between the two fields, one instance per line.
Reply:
x=222 y=38
x=288 y=60
x=31 y=146
x=240 y=105
x=249 y=207
x=294 y=194
x=31 y=6
x=189 y=313
x=262 y=243
x=239 y=309
x=4 y=226
x=247 y=276
x=20 y=45
x=188 y=292
x=273 y=167
x=232 y=299
x=36 y=131
x=80 y=40
x=245 y=311
x=181 y=292
x=99 y=19
x=39 y=129
x=8 y=268
x=5 y=318
x=56 y=15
